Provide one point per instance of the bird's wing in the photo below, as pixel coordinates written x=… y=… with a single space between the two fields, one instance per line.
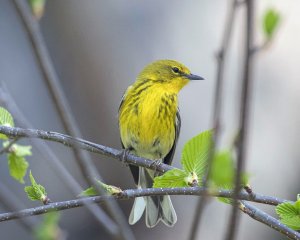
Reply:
x=169 y=157
x=134 y=169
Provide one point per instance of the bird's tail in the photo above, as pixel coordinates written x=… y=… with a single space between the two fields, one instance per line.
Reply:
x=157 y=207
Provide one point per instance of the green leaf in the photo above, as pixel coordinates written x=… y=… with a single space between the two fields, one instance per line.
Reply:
x=223 y=173
x=270 y=22
x=22 y=151
x=172 y=178
x=289 y=214
x=5 y=120
x=88 y=192
x=286 y=210
x=37 y=7
x=17 y=167
x=109 y=189
x=223 y=170
x=35 y=192
x=293 y=222
x=19 y=150
x=48 y=229
x=196 y=152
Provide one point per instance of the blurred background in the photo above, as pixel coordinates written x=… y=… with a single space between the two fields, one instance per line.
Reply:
x=99 y=47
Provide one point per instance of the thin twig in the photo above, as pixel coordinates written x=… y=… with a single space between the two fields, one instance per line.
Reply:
x=270 y=221
x=83 y=159
x=244 y=116
x=218 y=98
x=7 y=148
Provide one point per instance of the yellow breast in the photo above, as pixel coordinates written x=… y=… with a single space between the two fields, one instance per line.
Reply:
x=147 y=121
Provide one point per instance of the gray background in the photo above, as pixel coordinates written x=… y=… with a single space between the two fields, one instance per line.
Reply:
x=98 y=48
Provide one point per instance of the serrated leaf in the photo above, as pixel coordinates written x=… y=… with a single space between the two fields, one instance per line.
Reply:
x=292 y=222
x=289 y=214
x=19 y=150
x=270 y=22
x=48 y=229
x=35 y=192
x=6 y=120
x=196 y=152
x=109 y=189
x=17 y=167
x=286 y=210
x=172 y=178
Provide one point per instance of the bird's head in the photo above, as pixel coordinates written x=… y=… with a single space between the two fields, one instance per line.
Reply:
x=170 y=74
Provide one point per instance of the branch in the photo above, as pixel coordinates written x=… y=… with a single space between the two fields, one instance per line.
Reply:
x=270 y=221
x=85 y=145
x=217 y=109
x=244 y=116
x=133 y=193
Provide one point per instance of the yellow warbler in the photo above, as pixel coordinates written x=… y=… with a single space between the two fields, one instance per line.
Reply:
x=149 y=124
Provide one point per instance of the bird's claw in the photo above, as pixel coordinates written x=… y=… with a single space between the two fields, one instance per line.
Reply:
x=155 y=164
x=123 y=156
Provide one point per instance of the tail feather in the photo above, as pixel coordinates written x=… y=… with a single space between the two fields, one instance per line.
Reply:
x=157 y=207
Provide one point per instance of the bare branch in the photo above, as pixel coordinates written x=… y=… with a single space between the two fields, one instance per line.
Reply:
x=133 y=193
x=85 y=145
x=244 y=116
x=217 y=110
x=270 y=221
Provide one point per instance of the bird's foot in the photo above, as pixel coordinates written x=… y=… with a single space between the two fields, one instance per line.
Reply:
x=123 y=156
x=155 y=164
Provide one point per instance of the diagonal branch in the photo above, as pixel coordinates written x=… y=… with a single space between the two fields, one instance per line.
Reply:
x=270 y=221
x=85 y=145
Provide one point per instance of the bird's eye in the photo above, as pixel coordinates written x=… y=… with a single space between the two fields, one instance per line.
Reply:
x=175 y=69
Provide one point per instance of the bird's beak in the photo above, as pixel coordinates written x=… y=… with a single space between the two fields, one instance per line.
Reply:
x=193 y=77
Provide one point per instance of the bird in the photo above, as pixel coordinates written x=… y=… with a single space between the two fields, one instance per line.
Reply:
x=149 y=123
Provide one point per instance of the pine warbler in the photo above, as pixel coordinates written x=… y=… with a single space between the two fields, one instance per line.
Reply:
x=149 y=123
